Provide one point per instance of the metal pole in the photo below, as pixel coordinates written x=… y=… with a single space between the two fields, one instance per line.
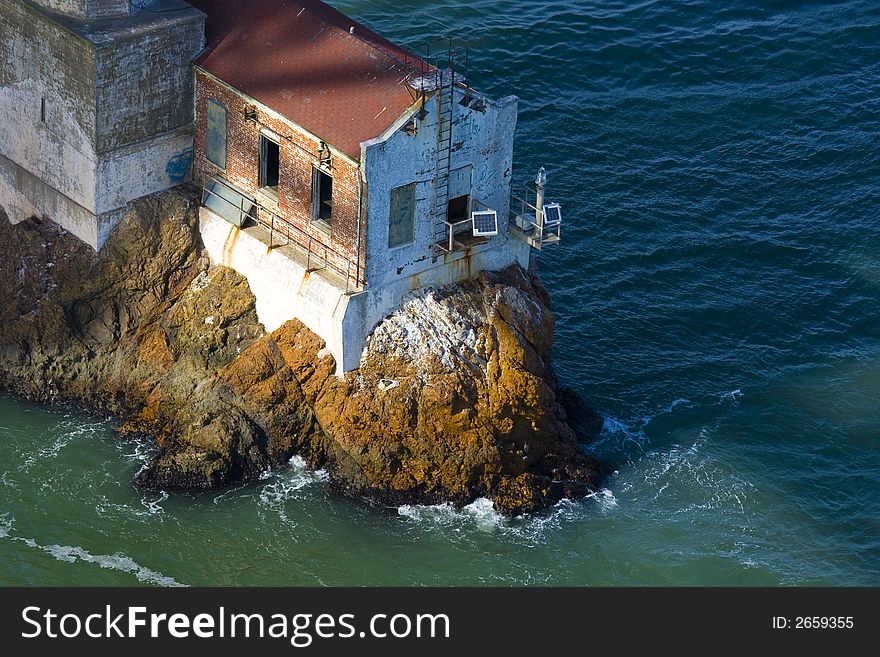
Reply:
x=540 y=182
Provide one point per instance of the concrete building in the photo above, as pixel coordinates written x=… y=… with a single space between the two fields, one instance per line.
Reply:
x=339 y=171
x=95 y=107
x=357 y=162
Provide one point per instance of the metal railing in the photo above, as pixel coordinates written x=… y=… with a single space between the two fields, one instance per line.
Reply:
x=537 y=230
x=451 y=232
x=318 y=255
x=452 y=226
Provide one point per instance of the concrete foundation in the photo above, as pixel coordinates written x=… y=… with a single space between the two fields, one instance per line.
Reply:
x=283 y=287
x=285 y=290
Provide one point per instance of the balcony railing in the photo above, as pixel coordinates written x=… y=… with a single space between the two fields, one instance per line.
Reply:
x=315 y=253
x=457 y=237
x=529 y=219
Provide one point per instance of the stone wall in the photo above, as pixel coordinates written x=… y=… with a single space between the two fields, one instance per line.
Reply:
x=88 y=9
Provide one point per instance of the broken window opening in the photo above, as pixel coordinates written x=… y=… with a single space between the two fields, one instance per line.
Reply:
x=322 y=196
x=457 y=209
x=270 y=164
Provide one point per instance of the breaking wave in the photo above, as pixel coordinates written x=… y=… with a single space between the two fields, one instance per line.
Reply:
x=481 y=515
x=289 y=484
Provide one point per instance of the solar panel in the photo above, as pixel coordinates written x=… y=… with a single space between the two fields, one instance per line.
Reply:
x=552 y=214
x=485 y=223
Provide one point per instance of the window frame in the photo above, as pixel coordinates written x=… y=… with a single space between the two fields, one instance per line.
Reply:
x=317 y=172
x=208 y=129
x=414 y=187
x=264 y=161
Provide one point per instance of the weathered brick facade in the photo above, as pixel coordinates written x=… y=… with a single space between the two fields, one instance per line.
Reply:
x=298 y=157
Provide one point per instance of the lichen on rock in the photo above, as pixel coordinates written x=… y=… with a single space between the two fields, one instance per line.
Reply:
x=455 y=398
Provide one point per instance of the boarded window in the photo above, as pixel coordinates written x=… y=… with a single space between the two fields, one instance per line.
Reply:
x=402 y=219
x=216 y=147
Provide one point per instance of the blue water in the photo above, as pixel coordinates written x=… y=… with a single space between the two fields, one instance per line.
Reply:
x=717 y=299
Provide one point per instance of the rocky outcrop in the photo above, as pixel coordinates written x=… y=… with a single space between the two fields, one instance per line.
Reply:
x=455 y=397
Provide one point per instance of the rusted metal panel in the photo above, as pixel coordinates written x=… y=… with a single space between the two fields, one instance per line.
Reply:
x=215 y=149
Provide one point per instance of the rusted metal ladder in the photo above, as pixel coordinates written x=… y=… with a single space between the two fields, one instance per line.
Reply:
x=443 y=237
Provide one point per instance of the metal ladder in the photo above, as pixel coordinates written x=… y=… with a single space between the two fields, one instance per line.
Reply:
x=443 y=155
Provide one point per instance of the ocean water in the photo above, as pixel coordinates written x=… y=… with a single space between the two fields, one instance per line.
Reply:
x=717 y=295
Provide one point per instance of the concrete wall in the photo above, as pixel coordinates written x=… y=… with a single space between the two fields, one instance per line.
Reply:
x=40 y=60
x=24 y=195
x=86 y=9
x=118 y=117
x=481 y=139
x=143 y=168
x=107 y=8
x=145 y=84
x=282 y=287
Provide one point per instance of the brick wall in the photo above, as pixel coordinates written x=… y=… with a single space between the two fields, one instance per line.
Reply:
x=298 y=155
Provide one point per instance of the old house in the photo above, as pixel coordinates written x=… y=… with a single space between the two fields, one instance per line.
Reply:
x=338 y=171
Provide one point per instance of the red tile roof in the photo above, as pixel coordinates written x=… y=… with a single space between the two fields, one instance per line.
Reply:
x=300 y=58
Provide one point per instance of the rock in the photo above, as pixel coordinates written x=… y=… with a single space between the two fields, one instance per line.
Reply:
x=149 y=331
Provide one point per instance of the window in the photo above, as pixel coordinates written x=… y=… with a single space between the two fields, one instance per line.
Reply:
x=43 y=110
x=270 y=164
x=402 y=218
x=457 y=209
x=215 y=149
x=322 y=196
x=459 y=194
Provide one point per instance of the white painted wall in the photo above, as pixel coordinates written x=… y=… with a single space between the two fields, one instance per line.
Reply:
x=282 y=287
x=485 y=142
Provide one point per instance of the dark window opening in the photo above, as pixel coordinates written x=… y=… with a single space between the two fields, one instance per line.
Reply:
x=457 y=209
x=322 y=196
x=270 y=163
x=43 y=110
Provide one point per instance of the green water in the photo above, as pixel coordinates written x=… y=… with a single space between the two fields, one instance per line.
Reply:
x=717 y=296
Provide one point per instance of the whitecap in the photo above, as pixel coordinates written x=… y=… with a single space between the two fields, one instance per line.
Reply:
x=604 y=498
x=481 y=516
x=732 y=396
x=154 y=506
x=5 y=525
x=116 y=561
x=73 y=554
